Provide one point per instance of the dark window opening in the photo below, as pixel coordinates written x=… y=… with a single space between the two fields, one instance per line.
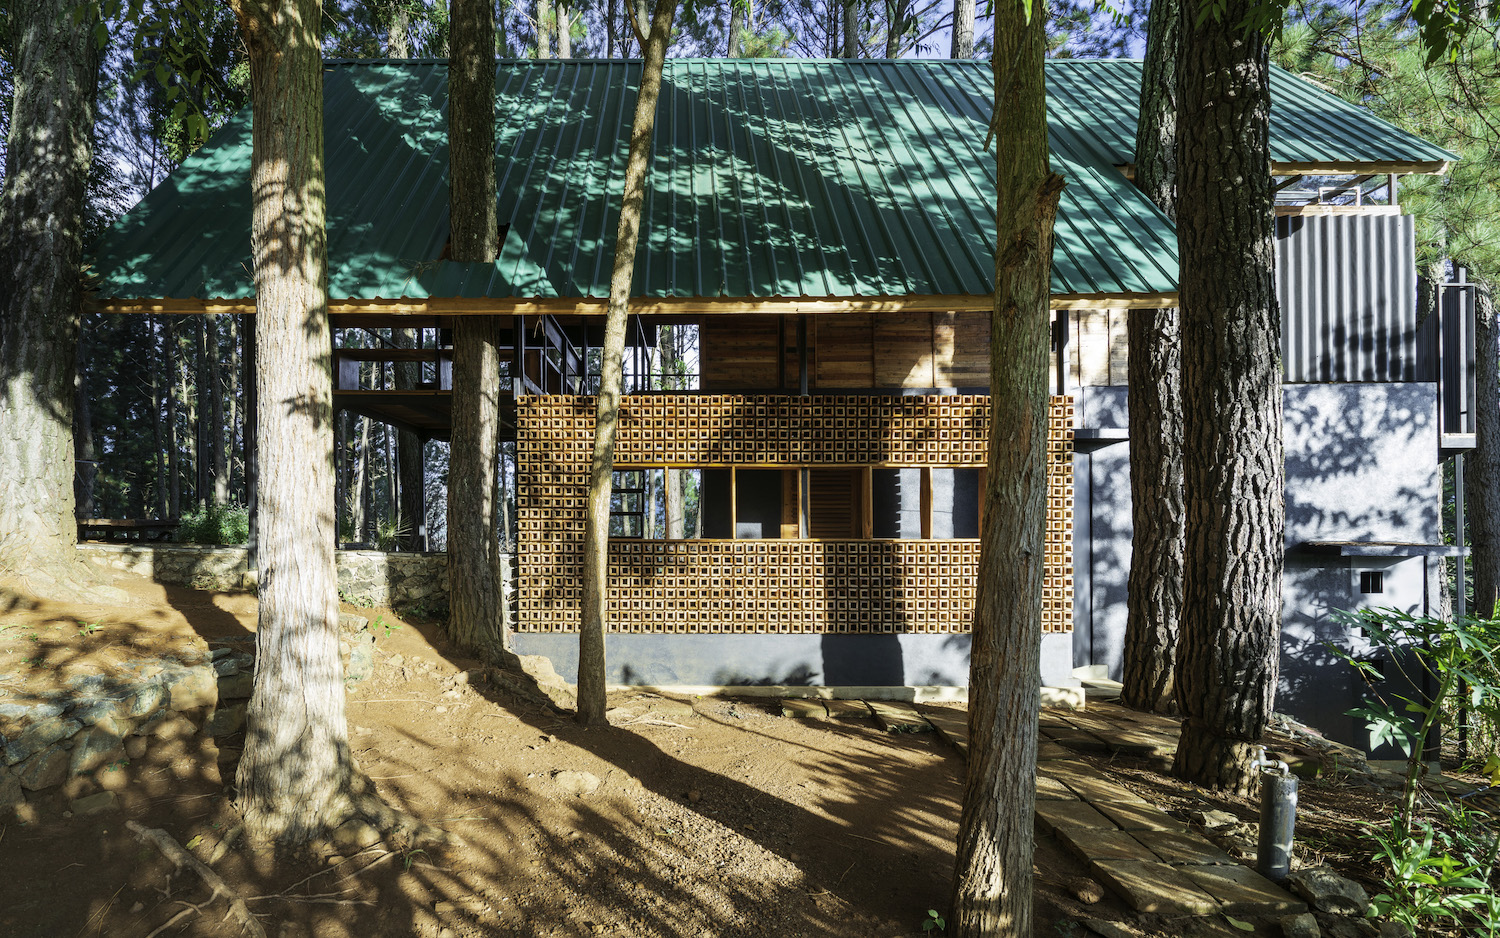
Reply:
x=1371 y=581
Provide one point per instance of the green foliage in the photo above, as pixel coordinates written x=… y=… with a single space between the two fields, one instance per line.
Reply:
x=1440 y=871
x=215 y=524
x=387 y=627
x=934 y=921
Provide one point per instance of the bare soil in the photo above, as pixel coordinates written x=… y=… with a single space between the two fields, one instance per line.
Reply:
x=734 y=821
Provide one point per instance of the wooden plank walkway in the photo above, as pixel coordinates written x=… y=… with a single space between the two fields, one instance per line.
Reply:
x=1147 y=857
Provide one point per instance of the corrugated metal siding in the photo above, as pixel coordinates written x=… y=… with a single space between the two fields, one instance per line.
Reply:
x=1445 y=346
x=769 y=178
x=1347 y=286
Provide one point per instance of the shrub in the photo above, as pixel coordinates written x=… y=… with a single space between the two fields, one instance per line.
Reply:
x=223 y=525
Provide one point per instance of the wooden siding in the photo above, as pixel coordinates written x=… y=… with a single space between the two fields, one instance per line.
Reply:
x=789 y=585
x=1097 y=347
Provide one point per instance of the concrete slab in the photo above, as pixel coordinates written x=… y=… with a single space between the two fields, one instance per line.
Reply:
x=1242 y=891
x=847 y=709
x=1154 y=887
x=1090 y=845
x=1141 y=817
x=1050 y=789
x=1071 y=815
x=1094 y=787
x=804 y=709
x=897 y=717
x=1184 y=848
x=1079 y=741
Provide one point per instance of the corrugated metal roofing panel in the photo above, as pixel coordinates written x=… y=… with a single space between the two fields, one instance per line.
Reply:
x=770 y=178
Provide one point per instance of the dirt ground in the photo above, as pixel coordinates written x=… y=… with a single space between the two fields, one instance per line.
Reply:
x=732 y=822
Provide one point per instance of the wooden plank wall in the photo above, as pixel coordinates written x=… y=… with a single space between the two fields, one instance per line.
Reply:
x=794 y=584
x=849 y=351
x=1097 y=351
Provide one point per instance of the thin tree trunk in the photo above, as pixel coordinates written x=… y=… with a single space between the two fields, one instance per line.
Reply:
x=642 y=22
x=992 y=884
x=893 y=28
x=49 y=149
x=851 y=28
x=297 y=779
x=85 y=456
x=409 y=456
x=1482 y=466
x=361 y=520
x=591 y=673
x=216 y=425
x=543 y=29
x=1155 y=388
x=564 y=36
x=158 y=435
x=474 y=600
x=232 y=426
x=736 y=26
x=671 y=367
x=963 y=30
x=398 y=35
x=202 y=394
x=1231 y=393
x=174 y=470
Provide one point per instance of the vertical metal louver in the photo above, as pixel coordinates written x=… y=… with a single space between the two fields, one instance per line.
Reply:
x=1347 y=286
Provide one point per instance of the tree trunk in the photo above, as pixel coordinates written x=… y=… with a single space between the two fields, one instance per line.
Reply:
x=398 y=35
x=963 y=30
x=1231 y=392
x=851 y=28
x=49 y=149
x=361 y=521
x=474 y=599
x=1155 y=390
x=564 y=34
x=411 y=466
x=1482 y=467
x=642 y=22
x=993 y=878
x=174 y=471
x=216 y=425
x=736 y=26
x=86 y=467
x=297 y=779
x=158 y=436
x=543 y=29
x=591 y=674
x=202 y=395
x=893 y=27
x=233 y=428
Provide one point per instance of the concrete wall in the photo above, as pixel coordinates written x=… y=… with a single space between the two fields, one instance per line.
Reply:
x=796 y=660
x=1361 y=464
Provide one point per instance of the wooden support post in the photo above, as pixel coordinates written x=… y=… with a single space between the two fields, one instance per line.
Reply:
x=734 y=506
x=518 y=362
x=926 y=503
x=804 y=518
x=866 y=478
x=791 y=501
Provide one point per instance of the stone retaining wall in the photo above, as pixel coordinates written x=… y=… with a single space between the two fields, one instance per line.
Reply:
x=80 y=735
x=366 y=577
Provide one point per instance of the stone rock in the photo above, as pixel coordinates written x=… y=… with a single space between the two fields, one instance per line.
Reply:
x=348 y=622
x=1301 y=925
x=227 y=720
x=135 y=748
x=226 y=666
x=1107 y=929
x=578 y=784
x=175 y=726
x=361 y=664
x=38 y=736
x=1214 y=820
x=148 y=698
x=94 y=748
x=548 y=681
x=354 y=835
x=195 y=687
x=43 y=770
x=29 y=712
x=396 y=660
x=1329 y=892
x=236 y=686
x=1085 y=890
x=214 y=654
x=1344 y=926
x=95 y=804
x=10 y=791
x=1394 y=930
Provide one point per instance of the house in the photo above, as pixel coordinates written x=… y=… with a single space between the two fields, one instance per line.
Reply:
x=823 y=230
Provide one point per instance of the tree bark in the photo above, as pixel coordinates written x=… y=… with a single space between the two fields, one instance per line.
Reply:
x=543 y=29
x=297 y=779
x=591 y=673
x=1154 y=601
x=216 y=425
x=398 y=34
x=158 y=435
x=202 y=394
x=86 y=467
x=564 y=35
x=361 y=521
x=1231 y=390
x=174 y=471
x=411 y=465
x=963 y=30
x=474 y=600
x=736 y=26
x=1482 y=467
x=992 y=886
x=49 y=150
x=851 y=28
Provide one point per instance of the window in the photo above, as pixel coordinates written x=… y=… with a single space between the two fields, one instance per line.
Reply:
x=1371 y=581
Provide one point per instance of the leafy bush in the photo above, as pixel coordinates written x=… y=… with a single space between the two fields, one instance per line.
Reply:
x=225 y=525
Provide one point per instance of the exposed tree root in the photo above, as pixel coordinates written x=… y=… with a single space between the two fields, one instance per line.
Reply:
x=180 y=858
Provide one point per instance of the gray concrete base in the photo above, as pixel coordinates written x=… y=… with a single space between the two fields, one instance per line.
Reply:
x=786 y=661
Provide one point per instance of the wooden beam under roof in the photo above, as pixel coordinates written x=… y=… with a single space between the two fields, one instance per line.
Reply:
x=663 y=306
x=1349 y=168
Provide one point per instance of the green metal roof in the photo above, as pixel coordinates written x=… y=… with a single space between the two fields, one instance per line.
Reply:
x=770 y=178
